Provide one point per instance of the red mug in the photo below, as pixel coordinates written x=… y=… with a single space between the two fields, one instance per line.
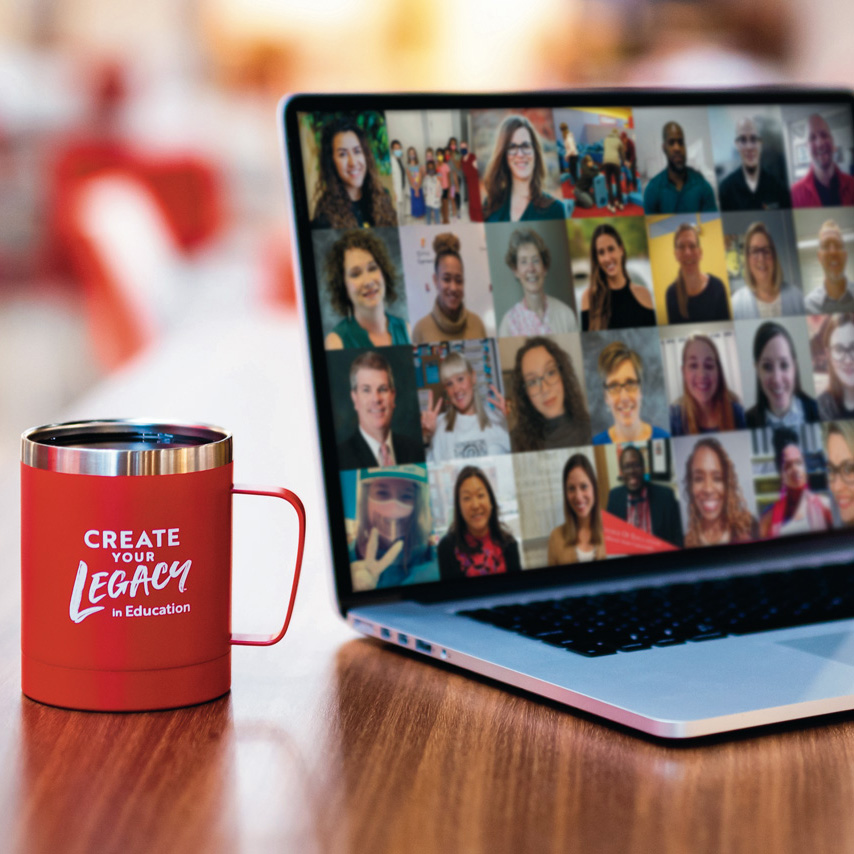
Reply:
x=126 y=564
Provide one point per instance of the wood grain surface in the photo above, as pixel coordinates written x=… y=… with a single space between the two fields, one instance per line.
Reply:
x=330 y=743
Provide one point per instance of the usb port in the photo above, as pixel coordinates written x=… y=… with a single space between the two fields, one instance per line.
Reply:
x=402 y=639
x=423 y=646
x=385 y=634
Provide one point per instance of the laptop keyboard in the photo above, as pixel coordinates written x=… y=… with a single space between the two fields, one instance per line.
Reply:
x=625 y=621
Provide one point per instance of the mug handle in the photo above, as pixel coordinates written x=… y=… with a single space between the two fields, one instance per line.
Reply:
x=293 y=500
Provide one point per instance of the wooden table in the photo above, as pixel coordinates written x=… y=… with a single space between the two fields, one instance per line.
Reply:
x=332 y=743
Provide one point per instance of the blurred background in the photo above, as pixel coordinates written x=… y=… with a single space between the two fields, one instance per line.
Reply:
x=140 y=174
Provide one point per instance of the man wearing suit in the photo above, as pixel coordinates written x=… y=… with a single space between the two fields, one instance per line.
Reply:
x=373 y=444
x=647 y=506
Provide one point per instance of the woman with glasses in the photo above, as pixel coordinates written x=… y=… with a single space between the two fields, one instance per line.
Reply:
x=477 y=543
x=764 y=294
x=798 y=510
x=621 y=370
x=529 y=259
x=780 y=401
x=706 y=404
x=838 y=338
x=695 y=296
x=840 y=468
x=515 y=175
x=581 y=538
x=549 y=406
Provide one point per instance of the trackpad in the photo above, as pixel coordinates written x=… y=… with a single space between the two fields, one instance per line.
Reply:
x=837 y=647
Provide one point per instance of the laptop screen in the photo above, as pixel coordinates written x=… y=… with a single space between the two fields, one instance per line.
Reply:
x=558 y=331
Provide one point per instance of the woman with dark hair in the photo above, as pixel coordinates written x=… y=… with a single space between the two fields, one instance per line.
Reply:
x=706 y=404
x=449 y=320
x=695 y=296
x=717 y=511
x=476 y=543
x=349 y=193
x=780 y=401
x=361 y=279
x=416 y=177
x=840 y=468
x=549 y=406
x=838 y=339
x=798 y=510
x=581 y=537
x=613 y=300
x=515 y=175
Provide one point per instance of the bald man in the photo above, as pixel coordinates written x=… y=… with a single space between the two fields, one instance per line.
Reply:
x=825 y=185
x=750 y=187
x=835 y=293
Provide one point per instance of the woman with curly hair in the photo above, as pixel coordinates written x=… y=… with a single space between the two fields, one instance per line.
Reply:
x=717 y=511
x=515 y=175
x=449 y=319
x=581 y=538
x=613 y=300
x=477 y=543
x=837 y=401
x=349 y=193
x=361 y=279
x=549 y=406
x=706 y=404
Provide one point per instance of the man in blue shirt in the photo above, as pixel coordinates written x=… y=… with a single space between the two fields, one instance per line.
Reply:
x=678 y=188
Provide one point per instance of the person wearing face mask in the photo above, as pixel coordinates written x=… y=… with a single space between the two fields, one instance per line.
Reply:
x=449 y=319
x=837 y=401
x=717 y=511
x=515 y=175
x=432 y=188
x=536 y=313
x=393 y=526
x=835 y=293
x=645 y=505
x=825 y=185
x=548 y=402
x=706 y=404
x=362 y=279
x=349 y=193
x=840 y=468
x=798 y=510
x=467 y=427
x=477 y=543
x=468 y=164
x=400 y=181
x=581 y=538
x=780 y=401
x=765 y=293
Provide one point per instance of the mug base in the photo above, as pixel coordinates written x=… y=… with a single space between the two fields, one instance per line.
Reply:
x=125 y=690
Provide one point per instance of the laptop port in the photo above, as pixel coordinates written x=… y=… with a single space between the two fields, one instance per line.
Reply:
x=363 y=626
x=423 y=646
x=402 y=639
x=385 y=634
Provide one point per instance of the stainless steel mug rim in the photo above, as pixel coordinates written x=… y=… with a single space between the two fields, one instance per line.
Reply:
x=150 y=447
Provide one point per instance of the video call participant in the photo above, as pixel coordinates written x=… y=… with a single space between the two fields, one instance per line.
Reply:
x=536 y=313
x=621 y=370
x=798 y=510
x=840 y=468
x=477 y=543
x=825 y=185
x=613 y=300
x=467 y=428
x=780 y=401
x=515 y=175
x=550 y=408
x=373 y=395
x=393 y=525
x=677 y=188
x=581 y=538
x=646 y=506
x=750 y=187
x=835 y=293
x=764 y=294
x=449 y=320
x=695 y=296
x=706 y=405
x=838 y=339
x=717 y=511
x=360 y=277
x=349 y=193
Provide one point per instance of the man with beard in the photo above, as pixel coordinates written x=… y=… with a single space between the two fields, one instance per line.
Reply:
x=750 y=187
x=678 y=188
x=646 y=506
x=825 y=185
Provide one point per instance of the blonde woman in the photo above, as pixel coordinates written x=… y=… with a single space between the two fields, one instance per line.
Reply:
x=581 y=538
x=695 y=296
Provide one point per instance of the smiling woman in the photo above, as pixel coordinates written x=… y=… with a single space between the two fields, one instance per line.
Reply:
x=581 y=538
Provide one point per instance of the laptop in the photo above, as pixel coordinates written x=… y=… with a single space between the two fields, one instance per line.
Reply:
x=583 y=374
